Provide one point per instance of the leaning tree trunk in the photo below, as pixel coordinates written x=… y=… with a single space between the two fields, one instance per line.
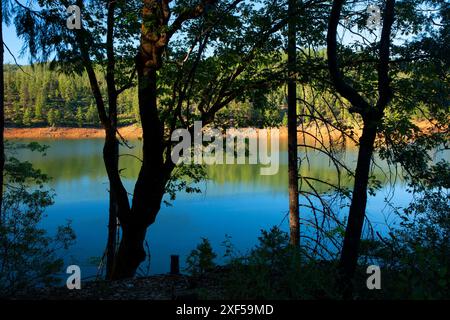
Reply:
x=111 y=161
x=119 y=259
x=151 y=182
x=353 y=231
x=118 y=200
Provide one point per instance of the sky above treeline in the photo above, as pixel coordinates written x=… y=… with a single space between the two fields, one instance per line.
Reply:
x=14 y=44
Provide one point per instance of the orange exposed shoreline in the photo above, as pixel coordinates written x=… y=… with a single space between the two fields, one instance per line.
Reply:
x=128 y=132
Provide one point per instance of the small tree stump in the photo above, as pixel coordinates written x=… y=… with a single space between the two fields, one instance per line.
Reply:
x=174 y=264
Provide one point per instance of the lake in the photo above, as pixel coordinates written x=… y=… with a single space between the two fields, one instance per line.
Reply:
x=235 y=201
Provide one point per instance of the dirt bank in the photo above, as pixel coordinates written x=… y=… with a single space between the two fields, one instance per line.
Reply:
x=128 y=132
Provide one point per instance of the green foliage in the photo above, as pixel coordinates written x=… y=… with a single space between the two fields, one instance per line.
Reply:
x=284 y=122
x=67 y=94
x=80 y=117
x=51 y=118
x=414 y=261
x=92 y=116
x=71 y=94
x=185 y=178
x=201 y=259
x=39 y=106
x=276 y=270
x=17 y=113
x=29 y=257
x=26 y=120
x=414 y=258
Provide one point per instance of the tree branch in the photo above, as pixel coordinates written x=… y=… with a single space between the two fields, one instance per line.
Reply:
x=359 y=104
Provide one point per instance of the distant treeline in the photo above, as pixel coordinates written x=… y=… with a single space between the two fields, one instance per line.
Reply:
x=38 y=96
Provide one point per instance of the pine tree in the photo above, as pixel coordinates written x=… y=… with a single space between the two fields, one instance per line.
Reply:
x=16 y=113
x=79 y=117
x=39 y=105
x=24 y=95
x=51 y=118
x=91 y=115
x=26 y=120
x=58 y=117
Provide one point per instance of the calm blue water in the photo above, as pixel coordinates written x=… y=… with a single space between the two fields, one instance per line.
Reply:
x=235 y=201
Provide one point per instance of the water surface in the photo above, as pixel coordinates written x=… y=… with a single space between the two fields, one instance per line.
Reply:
x=235 y=200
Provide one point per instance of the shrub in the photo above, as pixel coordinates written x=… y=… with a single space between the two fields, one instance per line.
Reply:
x=276 y=270
x=201 y=259
x=28 y=255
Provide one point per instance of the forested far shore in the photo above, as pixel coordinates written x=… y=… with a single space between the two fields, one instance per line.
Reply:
x=41 y=102
x=37 y=96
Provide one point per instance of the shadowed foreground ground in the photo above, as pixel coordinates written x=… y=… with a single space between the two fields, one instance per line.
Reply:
x=158 y=287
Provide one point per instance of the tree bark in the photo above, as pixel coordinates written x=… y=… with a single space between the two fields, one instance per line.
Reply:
x=154 y=173
x=294 y=219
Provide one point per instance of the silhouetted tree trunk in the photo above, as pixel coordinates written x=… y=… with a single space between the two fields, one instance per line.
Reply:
x=152 y=179
x=117 y=194
x=116 y=190
x=2 y=111
x=294 y=222
x=353 y=231
x=111 y=146
x=372 y=117
x=118 y=198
